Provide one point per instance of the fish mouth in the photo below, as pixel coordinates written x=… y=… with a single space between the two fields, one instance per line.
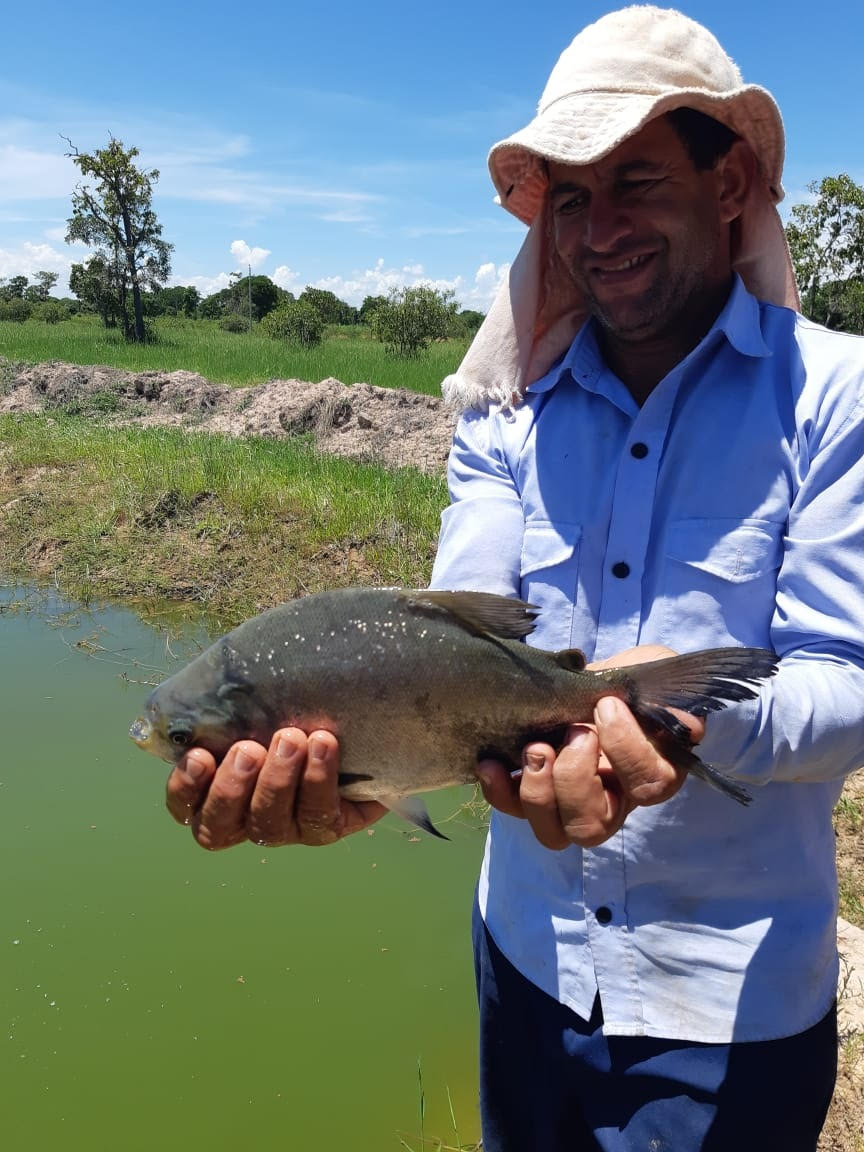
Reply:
x=142 y=732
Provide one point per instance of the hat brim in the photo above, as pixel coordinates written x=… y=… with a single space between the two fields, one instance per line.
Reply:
x=583 y=127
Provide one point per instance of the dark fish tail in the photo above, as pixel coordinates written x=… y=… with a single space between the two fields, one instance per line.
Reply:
x=698 y=683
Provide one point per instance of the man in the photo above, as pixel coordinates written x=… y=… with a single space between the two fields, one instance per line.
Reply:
x=661 y=454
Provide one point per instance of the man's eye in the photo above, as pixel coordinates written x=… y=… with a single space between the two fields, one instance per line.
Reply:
x=572 y=204
x=641 y=184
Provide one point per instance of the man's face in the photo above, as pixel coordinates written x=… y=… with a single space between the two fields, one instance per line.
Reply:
x=642 y=233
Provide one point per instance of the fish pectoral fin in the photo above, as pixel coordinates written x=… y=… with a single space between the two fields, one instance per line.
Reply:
x=412 y=808
x=571 y=659
x=481 y=613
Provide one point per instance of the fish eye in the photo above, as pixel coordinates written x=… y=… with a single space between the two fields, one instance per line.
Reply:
x=180 y=736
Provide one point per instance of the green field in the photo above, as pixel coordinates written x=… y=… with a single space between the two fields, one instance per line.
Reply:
x=159 y=514
x=348 y=353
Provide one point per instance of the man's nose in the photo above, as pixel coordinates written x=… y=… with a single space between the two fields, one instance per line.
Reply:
x=606 y=224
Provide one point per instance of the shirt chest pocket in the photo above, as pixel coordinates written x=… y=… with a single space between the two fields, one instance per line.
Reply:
x=549 y=569
x=720 y=579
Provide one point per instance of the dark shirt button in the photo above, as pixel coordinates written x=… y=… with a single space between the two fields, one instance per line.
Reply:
x=603 y=915
x=621 y=570
x=639 y=450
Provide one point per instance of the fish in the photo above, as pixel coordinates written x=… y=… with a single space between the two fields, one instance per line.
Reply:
x=419 y=685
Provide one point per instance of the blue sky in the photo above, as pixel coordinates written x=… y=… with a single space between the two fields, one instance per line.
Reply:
x=344 y=145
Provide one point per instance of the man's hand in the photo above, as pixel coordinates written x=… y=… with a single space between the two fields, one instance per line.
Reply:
x=287 y=794
x=584 y=793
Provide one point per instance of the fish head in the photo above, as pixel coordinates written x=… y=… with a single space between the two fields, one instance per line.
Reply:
x=208 y=704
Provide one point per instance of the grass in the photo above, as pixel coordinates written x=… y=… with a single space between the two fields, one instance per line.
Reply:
x=348 y=353
x=153 y=514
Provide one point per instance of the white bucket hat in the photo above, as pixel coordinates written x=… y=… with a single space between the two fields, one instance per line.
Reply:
x=620 y=72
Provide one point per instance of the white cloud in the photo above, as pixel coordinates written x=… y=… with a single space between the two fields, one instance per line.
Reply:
x=27 y=259
x=244 y=255
x=379 y=280
x=28 y=174
x=487 y=280
x=287 y=278
x=206 y=285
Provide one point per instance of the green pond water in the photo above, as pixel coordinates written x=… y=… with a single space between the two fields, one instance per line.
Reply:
x=155 y=996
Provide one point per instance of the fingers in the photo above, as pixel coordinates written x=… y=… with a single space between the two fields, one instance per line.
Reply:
x=500 y=790
x=319 y=813
x=271 y=818
x=188 y=783
x=537 y=794
x=645 y=775
x=221 y=820
x=590 y=802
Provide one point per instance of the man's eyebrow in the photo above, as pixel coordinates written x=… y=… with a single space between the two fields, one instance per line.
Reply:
x=624 y=169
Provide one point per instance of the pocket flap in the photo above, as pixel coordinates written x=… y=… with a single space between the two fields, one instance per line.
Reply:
x=545 y=545
x=735 y=550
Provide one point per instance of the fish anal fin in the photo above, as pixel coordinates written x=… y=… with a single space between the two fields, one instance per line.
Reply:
x=481 y=613
x=571 y=659
x=412 y=808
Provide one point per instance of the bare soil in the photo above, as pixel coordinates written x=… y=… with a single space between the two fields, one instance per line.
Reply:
x=392 y=427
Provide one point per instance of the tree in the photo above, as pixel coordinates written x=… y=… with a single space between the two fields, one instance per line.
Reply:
x=115 y=215
x=13 y=288
x=179 y=300
x=100 y=284
x=367 y=308
x=329 y=307
x=296 y=322
x=411 y=317
x=235 y=299
x=39 y=292
x=826 y=240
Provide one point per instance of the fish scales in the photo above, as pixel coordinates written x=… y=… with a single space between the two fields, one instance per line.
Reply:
x=417 y=684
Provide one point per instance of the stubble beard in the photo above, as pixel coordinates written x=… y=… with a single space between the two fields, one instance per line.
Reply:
x=662 y=310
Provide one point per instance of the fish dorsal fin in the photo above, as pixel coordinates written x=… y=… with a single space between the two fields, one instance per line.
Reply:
x=481 y=613
x=572 y=659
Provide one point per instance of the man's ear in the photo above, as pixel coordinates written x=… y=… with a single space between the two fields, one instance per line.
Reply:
x=735 y=173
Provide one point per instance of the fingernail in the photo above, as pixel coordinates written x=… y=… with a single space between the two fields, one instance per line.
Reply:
x=317 y=749
x=577 y=735
x=534 y=761
x=244 y=761
x=607 y=710
x=285 y=748
x=194 y=769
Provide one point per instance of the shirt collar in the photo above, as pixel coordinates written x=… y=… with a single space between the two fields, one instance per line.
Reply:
x=739 y=322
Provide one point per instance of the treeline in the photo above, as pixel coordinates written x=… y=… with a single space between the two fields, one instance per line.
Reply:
x=406 y=320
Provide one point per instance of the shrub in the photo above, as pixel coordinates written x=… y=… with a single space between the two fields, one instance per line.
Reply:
x=296 y=322
x=234 y=323
x=411 y=317
x=53 y=312
x=16 y=309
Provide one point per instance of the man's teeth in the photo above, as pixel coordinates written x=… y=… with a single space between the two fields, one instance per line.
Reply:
x=631 y=263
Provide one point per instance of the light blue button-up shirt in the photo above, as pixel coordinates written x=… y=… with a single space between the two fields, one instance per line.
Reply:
x=735 y=498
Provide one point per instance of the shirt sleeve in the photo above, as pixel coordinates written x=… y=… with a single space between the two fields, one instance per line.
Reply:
x=809 y=721
x=480 y=545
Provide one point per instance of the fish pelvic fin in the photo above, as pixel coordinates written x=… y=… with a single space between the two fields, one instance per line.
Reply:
x=480 y=613
x=412 y=808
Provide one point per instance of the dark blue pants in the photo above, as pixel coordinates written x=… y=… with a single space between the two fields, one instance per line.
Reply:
x=552 y=1082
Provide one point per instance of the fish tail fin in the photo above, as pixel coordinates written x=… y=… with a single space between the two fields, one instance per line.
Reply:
x=673 y=740
x=698 y=683
x=701 y=682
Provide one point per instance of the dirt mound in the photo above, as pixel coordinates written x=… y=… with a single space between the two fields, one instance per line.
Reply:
x=393 y=427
